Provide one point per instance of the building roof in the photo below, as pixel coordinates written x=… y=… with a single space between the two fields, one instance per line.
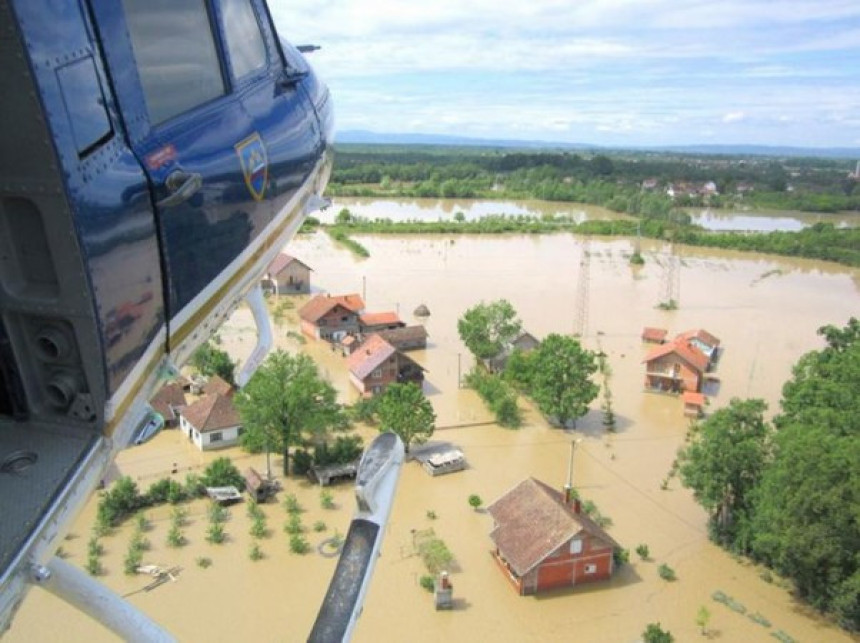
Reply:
x=691 y=397
x=211 y=413
x=375 y=319
x=693 y=356
x=317 y=307
x=525 y=341
x=169 y=397
x=216 y=384
x=702 y=335
x=282 y=261
x=405 y=334
x=369 y=356
x=654 y=334
x=532 y=521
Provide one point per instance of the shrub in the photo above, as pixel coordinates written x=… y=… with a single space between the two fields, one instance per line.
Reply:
x=302 y=462
x=643 y=551
x=217 y=513
x=203 y=562
x=427 y=582
x=666 y=572
x=291 y=504
x=94 y=565
x=222 y=473
x=132 y=560
x=175 y=537
x=475 y=501
x=298 y=545
x=655 y=634
x=215 y=533
x=194 y=487
x=94 y=547
x=431 y=515
x=319 y=525
x=294 y=524
x=326 y=499
x=255 y=553
x=258 y=526
x=122 y=500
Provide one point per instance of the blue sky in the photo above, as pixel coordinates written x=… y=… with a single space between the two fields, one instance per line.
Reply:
x=604 y=72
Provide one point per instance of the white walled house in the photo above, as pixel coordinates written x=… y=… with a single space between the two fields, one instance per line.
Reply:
x=212 y=422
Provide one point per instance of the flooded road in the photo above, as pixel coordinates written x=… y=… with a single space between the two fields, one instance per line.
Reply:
x=764 y=309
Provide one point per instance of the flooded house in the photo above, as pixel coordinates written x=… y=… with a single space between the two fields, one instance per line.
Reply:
x=694 y=404
x=375 y=322
x=377 y=364
x=525 y=342
x=169 y=401
x=287 y=275
x=675 y=367
x=212 y=422
x=331 y=317
x=543 y=540
x=704 y=342
x=654 y=335
x=407 y=338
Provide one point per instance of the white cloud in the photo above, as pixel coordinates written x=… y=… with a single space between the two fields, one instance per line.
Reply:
x=733 y=117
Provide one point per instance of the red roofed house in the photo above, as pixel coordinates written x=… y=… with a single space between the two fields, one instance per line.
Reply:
x=331 y=318
x=694 y=404
x=212 y=422
x=654 y=335
x=376 y=364
x=675 y=367
x=169 y=401
x=704 y=342
x=373 y=322
x=543 y=542
x=287 y=275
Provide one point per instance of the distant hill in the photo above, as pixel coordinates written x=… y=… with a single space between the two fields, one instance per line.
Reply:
x=378 y=138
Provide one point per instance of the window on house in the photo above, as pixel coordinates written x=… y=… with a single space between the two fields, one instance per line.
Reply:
x=343 y=319
x=591 y=569
x=576 y=546
x=216 y=436
x=175 y=54
x=377 y=373
x=244 y=40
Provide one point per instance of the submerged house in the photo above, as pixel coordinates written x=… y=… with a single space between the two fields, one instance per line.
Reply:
x=287 y=275
x=407 y=338
x=169 y=401
x=212 y=422
x=525 y=342
x=376 y=364
x=374 y=322
x=704 y=342
x=544 y=541
x=675 y=367
x=331 y=317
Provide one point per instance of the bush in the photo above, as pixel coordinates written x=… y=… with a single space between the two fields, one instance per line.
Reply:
x=94 y=565
x=122 y=500
x=132 y=561
x=427 y=582
x=294 y=524
x=298 y=545
x=175 y=537
x=302 y=462
x=203 y=562
x=319 y=525
x=498 y=396
x=255 y=553
x=194 y=487
x=364 y=410
x=215 y=533
x=655 y=634
x=217 y=513
x=291 y=504
x=222 y=473
x=326 y=499
x=94 y=547
x=666 y=572
x=643 y=551
x=258 y=526
x=475 y=501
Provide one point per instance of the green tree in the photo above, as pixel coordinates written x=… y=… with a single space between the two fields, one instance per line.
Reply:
x=285 y=402
x=486 y=329
x=210 y=360
x=475 y=501
x=405 y=410
x=560 y=381
x=807 y=507
x=703 y=617
x=723 y=463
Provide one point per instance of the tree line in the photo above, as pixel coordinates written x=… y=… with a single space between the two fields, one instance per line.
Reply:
x=787 y=493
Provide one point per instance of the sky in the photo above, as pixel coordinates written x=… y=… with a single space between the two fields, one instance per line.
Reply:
x=598 y=72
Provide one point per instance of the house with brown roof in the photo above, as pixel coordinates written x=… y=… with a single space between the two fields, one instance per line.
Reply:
x=694 y=404
x=169 y=401
x=375 y=322
x=675 y=367
x=217 y=385
x=545 y=541
x=407 y=338
x=212 y=422
x=287 y=275
x=331 y=317
x=376 y=364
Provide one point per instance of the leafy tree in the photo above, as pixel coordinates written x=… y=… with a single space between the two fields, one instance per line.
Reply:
x=703 y=617
x=405 y=410
x=286 y=401
x=210 y=360
x=655 y=634
x=559 y=381
x=723 y=463
x=486 y=329
x=475 y=501
x=807 y=507
x=221 y=472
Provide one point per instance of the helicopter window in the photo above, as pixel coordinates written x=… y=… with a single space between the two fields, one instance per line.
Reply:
x=175 y=52
x=244 y=41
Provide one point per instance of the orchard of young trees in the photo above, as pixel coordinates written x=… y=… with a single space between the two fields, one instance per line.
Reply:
x=788 y=495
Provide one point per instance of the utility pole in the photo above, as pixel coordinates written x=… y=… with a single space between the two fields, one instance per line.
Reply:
x=568 y=488
x=580 y=322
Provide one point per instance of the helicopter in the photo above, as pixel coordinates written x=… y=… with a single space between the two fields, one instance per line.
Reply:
x=156 y=155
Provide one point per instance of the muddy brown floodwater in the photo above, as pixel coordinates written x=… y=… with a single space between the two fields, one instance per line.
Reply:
x=764 y=309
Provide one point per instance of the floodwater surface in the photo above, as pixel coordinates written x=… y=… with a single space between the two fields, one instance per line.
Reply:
x=764 y=309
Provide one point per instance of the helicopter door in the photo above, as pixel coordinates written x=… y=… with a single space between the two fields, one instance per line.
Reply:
x=208 y=159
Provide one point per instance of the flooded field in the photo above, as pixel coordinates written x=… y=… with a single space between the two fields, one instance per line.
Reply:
x=764 y=309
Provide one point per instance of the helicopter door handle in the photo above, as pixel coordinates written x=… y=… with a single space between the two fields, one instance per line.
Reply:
x=182 y=186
